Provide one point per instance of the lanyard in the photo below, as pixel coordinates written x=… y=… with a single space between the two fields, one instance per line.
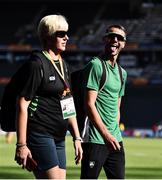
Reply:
x=61 y=73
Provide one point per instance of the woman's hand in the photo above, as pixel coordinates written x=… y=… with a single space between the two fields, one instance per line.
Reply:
x=21 y=155
x=78 y=151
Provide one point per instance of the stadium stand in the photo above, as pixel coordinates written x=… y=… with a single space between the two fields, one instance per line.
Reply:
x=88 y=20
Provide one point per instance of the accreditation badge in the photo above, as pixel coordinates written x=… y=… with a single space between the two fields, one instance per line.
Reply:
x=68 y=107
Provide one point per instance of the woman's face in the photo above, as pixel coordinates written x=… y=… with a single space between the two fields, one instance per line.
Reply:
x=60 y=41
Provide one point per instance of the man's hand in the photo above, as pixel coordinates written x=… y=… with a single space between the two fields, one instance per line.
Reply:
x=111 y=142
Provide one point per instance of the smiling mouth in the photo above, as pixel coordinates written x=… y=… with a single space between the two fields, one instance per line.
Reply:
x=113 y=47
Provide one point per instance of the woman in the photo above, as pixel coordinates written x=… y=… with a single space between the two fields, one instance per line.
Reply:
x=46 y=112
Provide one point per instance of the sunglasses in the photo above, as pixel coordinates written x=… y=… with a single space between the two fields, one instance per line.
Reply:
x=61 y=34
x=114 y=35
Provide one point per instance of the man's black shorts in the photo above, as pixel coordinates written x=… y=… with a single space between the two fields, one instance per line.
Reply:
x=96 y=156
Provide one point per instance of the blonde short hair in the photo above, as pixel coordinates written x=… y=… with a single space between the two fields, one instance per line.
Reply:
x=49 y=24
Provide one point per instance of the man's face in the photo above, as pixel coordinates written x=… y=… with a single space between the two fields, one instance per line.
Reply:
x=114 y=41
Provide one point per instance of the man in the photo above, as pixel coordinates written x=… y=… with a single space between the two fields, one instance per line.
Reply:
x=105 y=147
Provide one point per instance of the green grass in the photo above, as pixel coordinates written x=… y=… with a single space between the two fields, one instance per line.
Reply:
x=143 y=160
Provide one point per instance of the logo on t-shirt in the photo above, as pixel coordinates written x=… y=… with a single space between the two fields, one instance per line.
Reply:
x=52 y=78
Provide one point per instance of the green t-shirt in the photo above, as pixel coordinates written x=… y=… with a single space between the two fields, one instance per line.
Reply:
x=107 y=99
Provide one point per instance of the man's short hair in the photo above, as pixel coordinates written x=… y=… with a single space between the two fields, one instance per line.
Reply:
x=115 y=26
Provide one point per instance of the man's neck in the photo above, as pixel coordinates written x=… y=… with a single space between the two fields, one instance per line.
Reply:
x=112 y=63
x=110 y=59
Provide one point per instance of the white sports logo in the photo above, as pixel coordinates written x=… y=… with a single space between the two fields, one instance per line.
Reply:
x=91 y=164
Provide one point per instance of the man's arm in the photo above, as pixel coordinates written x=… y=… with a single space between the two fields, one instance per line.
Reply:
x=118 y=116
x=94 y=116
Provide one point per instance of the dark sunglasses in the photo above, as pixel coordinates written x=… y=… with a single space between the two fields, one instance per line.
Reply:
x=114 y=35
x=61 y=34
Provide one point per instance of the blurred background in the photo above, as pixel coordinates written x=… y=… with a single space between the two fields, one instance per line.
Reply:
x=141 y=113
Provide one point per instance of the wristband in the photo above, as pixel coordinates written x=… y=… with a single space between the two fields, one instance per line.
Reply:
x=78 y=139
x=20 y=145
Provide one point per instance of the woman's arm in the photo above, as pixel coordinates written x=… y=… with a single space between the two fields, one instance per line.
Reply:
x=22 y=116
x=73 y=128
x=22 y=150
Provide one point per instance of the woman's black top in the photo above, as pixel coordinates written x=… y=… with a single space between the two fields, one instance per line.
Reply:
x=44 y=87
